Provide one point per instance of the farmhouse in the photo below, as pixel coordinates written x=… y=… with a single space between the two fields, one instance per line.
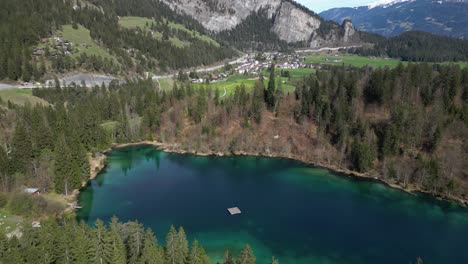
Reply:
x=32 y=191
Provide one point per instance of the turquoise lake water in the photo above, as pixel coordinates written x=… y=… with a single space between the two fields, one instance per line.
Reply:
x=298 y=213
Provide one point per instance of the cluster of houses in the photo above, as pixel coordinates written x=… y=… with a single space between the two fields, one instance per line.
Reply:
x=254 y=64
x=58 y=45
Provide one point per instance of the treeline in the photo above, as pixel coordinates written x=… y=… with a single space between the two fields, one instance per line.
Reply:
x=406 y=125
x=48 y=147
x=66 y=241
x=23 y=23
x=254 y=33
x=417 y=46
x=409 y=123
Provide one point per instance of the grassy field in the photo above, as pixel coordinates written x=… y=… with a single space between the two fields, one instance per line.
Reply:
x=8 y=222
x=234 y=81
x=353 y=60
x=360 y=61
x=295 y=73
x=166 y=83
x=141 y=22
x=21 y=97
x=81 y=36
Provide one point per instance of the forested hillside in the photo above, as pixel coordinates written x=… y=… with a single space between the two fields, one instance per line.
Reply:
x=417 y=46
x=405 y=125
x=66 y=241
x=33 y=39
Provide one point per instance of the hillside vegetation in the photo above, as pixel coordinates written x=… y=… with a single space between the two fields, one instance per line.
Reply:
x=62 y=37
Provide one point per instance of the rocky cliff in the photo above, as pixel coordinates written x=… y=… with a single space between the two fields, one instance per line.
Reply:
x=291 y=22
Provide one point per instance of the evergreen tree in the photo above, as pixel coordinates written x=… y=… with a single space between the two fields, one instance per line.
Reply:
x=363 y=156
x=198 y=255
x=135 y=242
x=119 y=252
x=257 y=102
x=102 y=244
x=67 y=172
x=247 y=256
x=151 y=253
x=182 y=247
x=270 y=99
x=82 y=250
x=274 y=261
x=228 y=258
x=21 y=151
x=172 y=247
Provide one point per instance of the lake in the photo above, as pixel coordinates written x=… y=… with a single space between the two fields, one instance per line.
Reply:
x=296 y=212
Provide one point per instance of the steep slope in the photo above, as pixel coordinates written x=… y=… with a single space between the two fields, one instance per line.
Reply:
x=291 y=22
x=38 y=40
x=392 y=17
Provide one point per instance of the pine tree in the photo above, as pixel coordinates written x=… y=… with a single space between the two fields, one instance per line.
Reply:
x=13 y=254
x=171 y=246
x=274 y=261
x=182 y=246
x=35 y=72
x=82 y=250
x=135 y=241
x=257 y=102
x=198 y=254
x=67 y=173
x=102 y=245
x=27 y=72
x=228 y=258
x=151 y=253
x=119 y=254
x=270 y=91
x=247 y=256
x=21 y=151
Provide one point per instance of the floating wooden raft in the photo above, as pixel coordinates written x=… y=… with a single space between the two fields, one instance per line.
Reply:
x=234 y=210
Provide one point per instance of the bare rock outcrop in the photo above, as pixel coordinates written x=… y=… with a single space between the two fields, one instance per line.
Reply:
x=291 y=22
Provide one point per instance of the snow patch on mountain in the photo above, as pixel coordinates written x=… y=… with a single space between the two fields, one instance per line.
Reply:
x=386 y=3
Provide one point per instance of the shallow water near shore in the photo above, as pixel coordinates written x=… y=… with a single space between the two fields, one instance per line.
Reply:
x=295 y=212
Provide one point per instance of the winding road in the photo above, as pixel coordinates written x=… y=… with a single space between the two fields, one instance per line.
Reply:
x=225 y=92
x=96 y=79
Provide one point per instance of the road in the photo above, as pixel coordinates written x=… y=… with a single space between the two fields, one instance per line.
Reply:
x=225 y=92
x=327 y=49
x=87 y=78
x=203 y=69
x=96 y=79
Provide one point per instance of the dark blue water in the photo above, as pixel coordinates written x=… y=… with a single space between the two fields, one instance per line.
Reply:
x=297 y=213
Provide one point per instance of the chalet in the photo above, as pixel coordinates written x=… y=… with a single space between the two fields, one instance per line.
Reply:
x=32 y=191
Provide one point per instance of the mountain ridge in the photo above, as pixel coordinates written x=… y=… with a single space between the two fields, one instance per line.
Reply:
x=291 y=22
x=391 y=18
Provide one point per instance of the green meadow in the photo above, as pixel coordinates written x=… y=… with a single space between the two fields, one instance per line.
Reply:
x=82 y=42
x=353 y=60
x=232 y=82
x=144 y=24
x=21 y=97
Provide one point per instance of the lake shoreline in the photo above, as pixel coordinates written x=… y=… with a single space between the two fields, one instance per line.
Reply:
x=97 y=163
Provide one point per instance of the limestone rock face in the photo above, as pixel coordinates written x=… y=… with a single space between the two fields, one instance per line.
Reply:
x=349 y=30
x=219 y=15
x=291 y=22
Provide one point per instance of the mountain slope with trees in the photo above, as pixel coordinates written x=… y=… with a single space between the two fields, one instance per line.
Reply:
x=65 y=241
x=24 y=23
x=417 y=46
x=405 y=125
x=445 y=17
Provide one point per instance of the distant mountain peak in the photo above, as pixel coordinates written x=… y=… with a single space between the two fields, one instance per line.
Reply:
x=386 y=3
x=393 y=17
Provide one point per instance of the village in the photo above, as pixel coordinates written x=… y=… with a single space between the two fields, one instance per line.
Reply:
x=255 y=64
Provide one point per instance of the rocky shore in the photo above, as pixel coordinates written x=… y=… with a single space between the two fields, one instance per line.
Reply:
x=97 y=163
